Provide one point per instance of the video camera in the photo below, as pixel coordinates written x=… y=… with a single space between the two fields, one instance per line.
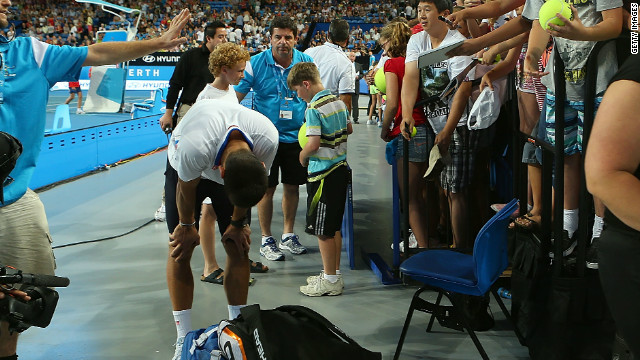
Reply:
x=38 y=311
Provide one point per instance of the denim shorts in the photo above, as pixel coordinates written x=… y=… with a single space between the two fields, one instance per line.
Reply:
x=419 y=146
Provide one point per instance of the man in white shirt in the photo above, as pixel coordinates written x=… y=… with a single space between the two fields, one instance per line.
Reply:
x=336 y=70
x=219 y=150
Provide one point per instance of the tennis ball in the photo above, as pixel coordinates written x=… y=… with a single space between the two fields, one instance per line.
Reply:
x=302 y=135
x=380 y=81
x=414 y=131
x=548 y=11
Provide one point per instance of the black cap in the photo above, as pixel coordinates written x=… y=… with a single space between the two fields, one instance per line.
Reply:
x=10 y=149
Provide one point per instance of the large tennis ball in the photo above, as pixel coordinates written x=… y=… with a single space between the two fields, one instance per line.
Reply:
x=548 y=11
x=380 y=81
x=302 y=135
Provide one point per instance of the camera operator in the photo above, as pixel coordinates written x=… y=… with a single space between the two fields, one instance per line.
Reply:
x=29 y=68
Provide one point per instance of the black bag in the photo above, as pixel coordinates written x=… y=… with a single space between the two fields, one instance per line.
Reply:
x=475 y=309
x=558 y=317
x=258 y=334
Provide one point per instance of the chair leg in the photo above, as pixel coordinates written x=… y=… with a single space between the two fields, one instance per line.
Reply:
x=465 y=324
x=433 y=315
x=506 y=313
x=415 y=300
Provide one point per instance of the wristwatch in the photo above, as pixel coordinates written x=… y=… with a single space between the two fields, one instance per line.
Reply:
x=238 y=223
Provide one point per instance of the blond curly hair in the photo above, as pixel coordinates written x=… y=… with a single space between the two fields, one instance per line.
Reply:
x=227 y=54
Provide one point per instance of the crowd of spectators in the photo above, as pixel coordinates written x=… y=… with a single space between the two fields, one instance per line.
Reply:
x=77 y=24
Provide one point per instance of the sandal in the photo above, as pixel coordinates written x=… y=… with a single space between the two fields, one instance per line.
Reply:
x=257 y=267
x=216 y=277
x=526 y=222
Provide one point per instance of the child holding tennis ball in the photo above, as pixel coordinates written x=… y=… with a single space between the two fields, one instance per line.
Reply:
x=593 y=21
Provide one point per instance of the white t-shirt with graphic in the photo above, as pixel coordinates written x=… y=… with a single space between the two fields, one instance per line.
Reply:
x=436 y=77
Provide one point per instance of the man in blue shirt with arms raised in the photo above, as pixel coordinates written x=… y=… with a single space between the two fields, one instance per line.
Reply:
x=29 y=69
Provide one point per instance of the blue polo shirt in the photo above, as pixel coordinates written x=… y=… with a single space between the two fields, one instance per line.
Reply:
x=30 y=68
x=269 y=83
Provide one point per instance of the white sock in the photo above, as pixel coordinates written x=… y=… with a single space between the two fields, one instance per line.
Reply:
x=571 y=221
x=234 y=311
x=284 y=236
x=264 y=238
x=331 y=278
x=338 y=272
x=529 y=207
x=183 y=322
x=597 y=227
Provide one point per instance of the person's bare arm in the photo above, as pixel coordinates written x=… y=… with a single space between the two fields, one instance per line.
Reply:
x=185 y=237
x=609 y=28
x=492 y=9
x=409 y=94
x=502 y=69
x=613 y=154
x=391 y=108
x=489 y=56
x=346 y=99
x=538 y=40
x=240 y=96
x=507 y=31
x=119 y=51
x=460 y=99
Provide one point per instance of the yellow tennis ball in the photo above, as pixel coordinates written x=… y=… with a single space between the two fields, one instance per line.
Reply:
x=548 y=11
x=380 y=81
x=414 y=131
x=302 y=135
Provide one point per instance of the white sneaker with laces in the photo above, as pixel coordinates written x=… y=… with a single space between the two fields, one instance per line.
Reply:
x=161 y=214
x=292 y=244
x=322 y=287
x=177 y=355
x=314 y=278
x=80 y=111
x=270 y=250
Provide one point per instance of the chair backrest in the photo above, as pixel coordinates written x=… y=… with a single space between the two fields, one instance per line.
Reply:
x=490 y=248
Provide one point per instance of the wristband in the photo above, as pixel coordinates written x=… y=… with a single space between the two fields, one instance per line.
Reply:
x=238 y=223
x=192 y=224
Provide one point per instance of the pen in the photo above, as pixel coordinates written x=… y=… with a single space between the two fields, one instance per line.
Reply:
x=448 y=22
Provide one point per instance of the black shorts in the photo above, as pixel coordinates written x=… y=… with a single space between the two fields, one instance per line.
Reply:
x=206 y=188
x=325 y=202
x=287 y=161
x=75 y=90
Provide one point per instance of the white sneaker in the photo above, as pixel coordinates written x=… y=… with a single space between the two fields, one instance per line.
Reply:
x=292 y=244
x=322 y=287
x=314 y=278
x=161 y=214
x=370 y=122
x=379 y=124
x=413 y=243
x=177 y=355
x=80 y=111
x=270 y=250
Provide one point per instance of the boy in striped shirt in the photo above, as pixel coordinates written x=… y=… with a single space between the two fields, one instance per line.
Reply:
x=325 y=154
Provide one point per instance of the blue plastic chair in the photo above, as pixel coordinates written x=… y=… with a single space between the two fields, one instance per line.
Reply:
x=451 y=273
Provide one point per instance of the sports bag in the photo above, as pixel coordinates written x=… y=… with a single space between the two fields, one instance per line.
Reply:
x=202 y=344
x=258 y=335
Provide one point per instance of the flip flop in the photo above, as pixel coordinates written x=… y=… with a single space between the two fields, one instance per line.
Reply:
x=526 y=222
x=216 y=277
x=257 y=267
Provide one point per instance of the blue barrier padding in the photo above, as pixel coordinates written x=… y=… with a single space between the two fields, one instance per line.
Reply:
x=77 y=152
x=347 y=226
x=61 y=120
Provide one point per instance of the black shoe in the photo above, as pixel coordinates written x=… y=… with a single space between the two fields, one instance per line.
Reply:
x=592 y=254
x=356 y=122
x=568 y=245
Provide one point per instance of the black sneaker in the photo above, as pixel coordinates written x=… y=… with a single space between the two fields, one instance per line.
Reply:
x=568 y=245
x=592 y=254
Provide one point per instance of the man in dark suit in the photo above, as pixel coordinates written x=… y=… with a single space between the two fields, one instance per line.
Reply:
x=355 y=108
